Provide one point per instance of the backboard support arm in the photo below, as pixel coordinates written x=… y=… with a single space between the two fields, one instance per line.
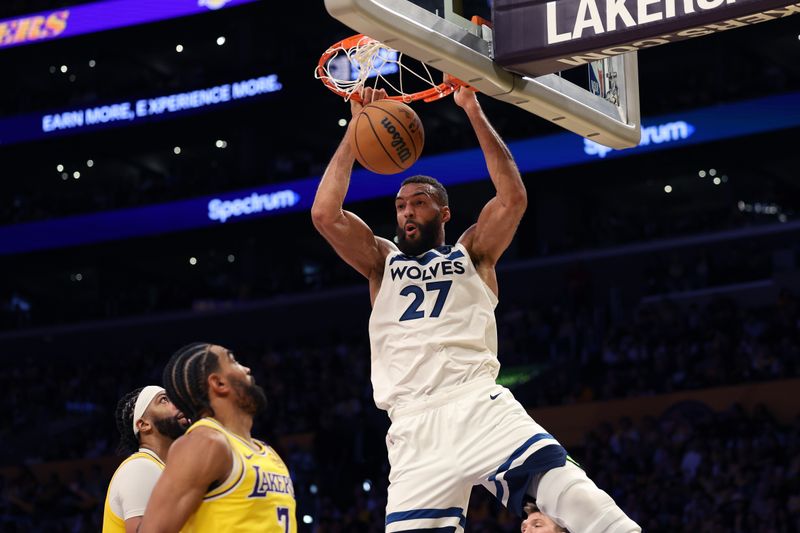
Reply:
x=464 y=51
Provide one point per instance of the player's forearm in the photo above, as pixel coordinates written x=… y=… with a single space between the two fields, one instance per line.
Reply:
x=500 y=162
x=333 y=187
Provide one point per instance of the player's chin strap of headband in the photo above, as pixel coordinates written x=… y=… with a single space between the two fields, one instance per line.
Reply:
x=142 y=401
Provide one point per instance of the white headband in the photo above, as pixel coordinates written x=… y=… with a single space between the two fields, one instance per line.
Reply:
x=142 y=401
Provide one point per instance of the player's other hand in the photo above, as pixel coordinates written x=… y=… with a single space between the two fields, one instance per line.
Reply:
x=368 y=95
x=464 y=96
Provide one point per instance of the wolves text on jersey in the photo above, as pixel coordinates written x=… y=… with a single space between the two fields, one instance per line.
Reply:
x=424 y=273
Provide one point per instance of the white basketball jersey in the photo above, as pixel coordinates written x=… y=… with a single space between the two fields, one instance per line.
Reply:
x=432 y=326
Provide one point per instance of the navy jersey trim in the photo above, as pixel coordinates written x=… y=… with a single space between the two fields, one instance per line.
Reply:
x=415 y=514
x=429 y=256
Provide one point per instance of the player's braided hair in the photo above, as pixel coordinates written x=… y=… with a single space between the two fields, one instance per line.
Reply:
x=441 y=192
x=128 y=442
x=186 y=379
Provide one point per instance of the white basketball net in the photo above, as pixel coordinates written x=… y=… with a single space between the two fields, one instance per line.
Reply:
x=349 y=69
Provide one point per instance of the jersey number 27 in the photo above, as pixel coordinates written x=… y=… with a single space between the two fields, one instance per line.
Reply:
x=413 y=312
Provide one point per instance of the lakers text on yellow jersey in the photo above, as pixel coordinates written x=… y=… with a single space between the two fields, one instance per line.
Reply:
x=258 y=496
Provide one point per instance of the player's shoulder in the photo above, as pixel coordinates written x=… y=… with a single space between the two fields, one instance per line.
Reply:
x=205 y=451
x=203 y=438
x=386 y=246
x=467 y=237
x=133 y=463
x=134 y=469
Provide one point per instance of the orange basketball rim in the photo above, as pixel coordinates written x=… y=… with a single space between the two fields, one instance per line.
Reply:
x=363 y=50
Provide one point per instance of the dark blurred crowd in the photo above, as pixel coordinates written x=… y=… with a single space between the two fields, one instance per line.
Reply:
x=111 y=288
x=661 y=347
x=61 y=408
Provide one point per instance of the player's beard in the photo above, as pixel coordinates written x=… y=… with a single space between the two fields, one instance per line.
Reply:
x=170 y=426
x=427 y=237
x=249 y=396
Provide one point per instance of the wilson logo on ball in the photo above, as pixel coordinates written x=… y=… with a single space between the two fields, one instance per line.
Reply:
x=398 y=143
x=387 y=137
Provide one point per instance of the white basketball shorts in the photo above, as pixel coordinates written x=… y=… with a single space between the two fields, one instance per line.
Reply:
x=439 y=448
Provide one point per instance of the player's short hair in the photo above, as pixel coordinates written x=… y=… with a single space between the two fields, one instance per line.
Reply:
x=128 y=441
x=441 y=192
x=531 y=507
x=186 y=379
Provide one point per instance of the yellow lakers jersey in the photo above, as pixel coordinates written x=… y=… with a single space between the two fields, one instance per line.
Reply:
x=112 y=521
x=258 y=496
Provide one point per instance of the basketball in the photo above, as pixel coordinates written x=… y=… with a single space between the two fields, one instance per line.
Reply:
x=387 y=137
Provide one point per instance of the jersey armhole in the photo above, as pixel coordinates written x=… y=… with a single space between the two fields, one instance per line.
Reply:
x=234 y=478
x=489 y=292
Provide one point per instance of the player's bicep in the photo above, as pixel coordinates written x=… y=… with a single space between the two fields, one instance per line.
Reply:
x=354 y=242
x=491 y=235
x=195 y=462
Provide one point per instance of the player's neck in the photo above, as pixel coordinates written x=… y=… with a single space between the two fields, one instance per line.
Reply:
x=158 y=444
x=235 y=420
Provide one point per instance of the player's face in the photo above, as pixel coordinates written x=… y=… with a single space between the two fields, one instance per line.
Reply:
x=420 y=219
x=538 y=523
x=248 y=396
x=166 y=418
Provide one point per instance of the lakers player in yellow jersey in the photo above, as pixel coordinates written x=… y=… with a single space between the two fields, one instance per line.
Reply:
x=148 y=423
x=218 y=478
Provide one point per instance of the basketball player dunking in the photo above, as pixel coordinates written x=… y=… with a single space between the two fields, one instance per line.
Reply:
x=433 y=338
x=218 y=478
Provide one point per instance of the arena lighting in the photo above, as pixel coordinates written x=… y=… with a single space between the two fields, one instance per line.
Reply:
x=176 y=150
x=307 y=519
x=712 y=172
x=76 y=175
x=192 y=261
x=667 y=189
x=179 y=48
x=231 y=258
x=92 y=63
x=724 y=121
x=717 y=181
x=220 y=40
x=90 y=163
x=667 y=132
x=64 y=68
x=222 y=210
x=60 y=168
x=343 y=122
x=702 y=173
x=118 y=113
x=93 y=17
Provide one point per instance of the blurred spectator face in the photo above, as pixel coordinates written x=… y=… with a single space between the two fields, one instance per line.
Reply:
x=536 y=522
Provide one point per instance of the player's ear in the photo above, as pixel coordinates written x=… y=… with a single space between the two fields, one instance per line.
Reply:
x=216 y=382
x=144 y=426
x=445 y=214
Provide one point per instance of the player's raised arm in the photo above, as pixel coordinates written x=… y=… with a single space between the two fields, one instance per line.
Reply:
x=498 y=221
x=196 y=462
x=350 y=236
